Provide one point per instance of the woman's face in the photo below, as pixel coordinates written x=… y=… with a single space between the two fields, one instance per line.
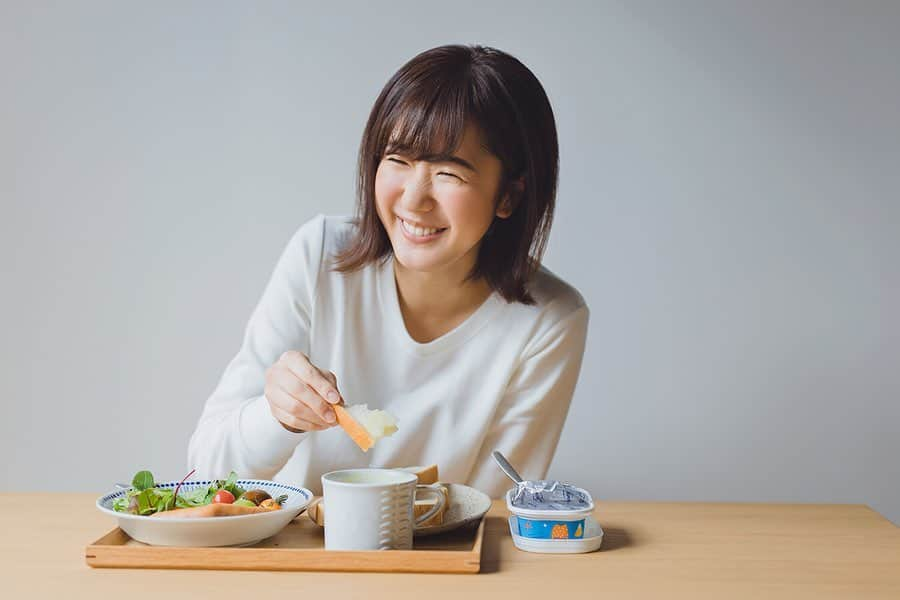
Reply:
x=436 y=213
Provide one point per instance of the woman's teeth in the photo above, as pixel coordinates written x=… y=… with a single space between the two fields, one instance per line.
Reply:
x=418 y=231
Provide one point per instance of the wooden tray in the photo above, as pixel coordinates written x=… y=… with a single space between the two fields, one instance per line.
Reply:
x=300 y=546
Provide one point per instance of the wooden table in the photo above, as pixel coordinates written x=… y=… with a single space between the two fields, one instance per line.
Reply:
x=651 y=550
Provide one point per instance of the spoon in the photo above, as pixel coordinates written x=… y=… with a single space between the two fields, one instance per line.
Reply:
x=506 y=467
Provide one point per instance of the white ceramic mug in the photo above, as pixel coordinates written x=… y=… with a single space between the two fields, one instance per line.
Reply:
x=372 y=509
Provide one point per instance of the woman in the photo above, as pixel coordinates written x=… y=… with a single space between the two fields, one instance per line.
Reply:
x=431 y=304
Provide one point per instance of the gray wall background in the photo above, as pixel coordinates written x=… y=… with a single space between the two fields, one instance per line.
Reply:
x=728 y=205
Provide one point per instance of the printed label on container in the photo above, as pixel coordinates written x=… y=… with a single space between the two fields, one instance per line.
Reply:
x=551 y=530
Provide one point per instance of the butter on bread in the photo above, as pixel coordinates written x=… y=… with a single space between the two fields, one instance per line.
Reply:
x=365 y=426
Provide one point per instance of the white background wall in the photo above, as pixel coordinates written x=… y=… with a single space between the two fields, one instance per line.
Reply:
x=728 y=206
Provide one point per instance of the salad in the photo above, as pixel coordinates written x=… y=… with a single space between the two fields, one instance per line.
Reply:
x=144 y=498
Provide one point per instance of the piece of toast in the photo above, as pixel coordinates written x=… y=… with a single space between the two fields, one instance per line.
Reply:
x=420 y=507
x=365 y=426
x=426 y=474
x=354 y=429
x=316 y=512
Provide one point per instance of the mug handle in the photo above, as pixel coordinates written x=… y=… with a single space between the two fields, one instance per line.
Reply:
x=441 y=500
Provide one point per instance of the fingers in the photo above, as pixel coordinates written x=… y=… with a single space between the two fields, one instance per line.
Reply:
x=295 y=390
x=293 y=423
x=311 y=376
x=333 y=379
x=298 y=398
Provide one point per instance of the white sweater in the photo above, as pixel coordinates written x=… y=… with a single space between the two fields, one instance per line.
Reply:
x=503 y=379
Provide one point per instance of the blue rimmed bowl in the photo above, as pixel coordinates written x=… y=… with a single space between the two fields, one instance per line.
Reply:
x=241 y=530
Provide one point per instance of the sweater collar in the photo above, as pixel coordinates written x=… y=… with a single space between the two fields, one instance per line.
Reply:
x=390 y=302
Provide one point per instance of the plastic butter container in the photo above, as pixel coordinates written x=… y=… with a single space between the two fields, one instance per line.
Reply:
x=549 y=510
x=552 y=517
x=592 y=540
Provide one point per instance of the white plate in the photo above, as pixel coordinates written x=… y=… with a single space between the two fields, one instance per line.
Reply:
x=467 y=506
x=593 y=538
x=239 y=530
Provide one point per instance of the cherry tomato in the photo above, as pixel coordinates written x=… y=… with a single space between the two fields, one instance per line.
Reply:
x=223 y=497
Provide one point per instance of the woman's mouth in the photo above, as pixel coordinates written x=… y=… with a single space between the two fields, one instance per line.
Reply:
x=418 y=234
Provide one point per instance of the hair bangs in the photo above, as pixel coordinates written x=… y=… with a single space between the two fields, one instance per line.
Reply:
x=426 y=121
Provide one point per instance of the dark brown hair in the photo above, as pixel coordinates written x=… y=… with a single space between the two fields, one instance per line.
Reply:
x=426 y=105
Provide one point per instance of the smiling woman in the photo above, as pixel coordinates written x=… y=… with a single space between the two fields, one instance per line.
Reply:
x=481 y=123
x=435 y=201
x=431 y=304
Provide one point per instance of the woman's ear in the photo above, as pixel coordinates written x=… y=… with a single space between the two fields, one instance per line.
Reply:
x=511 y=198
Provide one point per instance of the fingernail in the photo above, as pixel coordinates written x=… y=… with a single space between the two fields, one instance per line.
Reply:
x=333 y=397
x=329 y=416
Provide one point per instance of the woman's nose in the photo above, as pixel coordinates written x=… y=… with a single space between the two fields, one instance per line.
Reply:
x=417 y=194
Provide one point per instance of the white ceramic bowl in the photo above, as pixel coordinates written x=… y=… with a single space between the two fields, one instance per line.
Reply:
x=240 y=530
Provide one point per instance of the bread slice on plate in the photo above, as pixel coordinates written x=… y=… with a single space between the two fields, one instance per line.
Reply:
x=365 y=426
x=423 y=506
x=426 y=474
x=316 y=512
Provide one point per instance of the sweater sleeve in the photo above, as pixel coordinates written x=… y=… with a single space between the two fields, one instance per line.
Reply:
x=236 y=430
x=533 y=410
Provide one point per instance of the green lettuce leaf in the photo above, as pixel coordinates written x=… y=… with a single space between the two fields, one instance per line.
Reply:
x=195 y=497
x=143 y=480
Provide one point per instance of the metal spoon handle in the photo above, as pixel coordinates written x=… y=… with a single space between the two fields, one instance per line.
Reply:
x=506 y=467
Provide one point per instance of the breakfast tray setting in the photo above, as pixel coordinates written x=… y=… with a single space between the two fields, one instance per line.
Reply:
x=246 y=524
x=300 y=546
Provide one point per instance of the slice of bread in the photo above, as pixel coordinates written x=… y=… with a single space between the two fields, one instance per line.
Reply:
x=423 y=506
x=316 y=512
x=426 y=474
x=365 y=426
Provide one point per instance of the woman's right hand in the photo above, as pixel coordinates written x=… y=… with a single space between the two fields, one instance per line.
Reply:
x=300 y=395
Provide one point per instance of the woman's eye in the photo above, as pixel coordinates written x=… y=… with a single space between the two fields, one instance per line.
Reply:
x=396 y=160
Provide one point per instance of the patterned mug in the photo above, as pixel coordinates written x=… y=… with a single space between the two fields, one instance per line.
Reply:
x=372 y=509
